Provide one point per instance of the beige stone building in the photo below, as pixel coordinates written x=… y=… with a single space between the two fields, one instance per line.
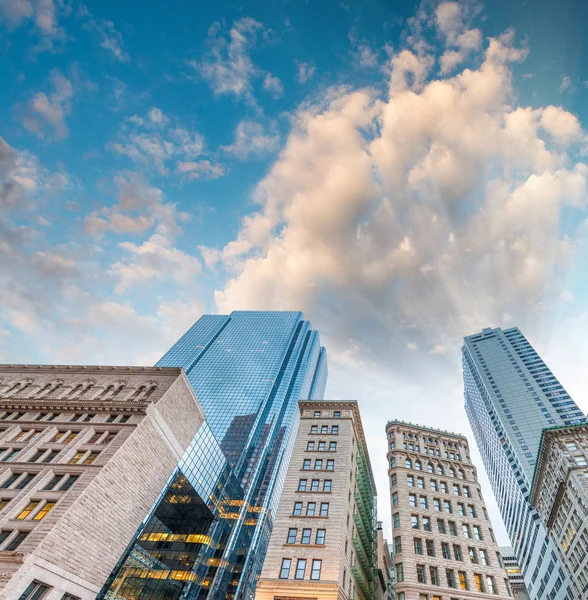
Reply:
x=560 y=495
x=84 y=453
x=323 y=544
x=443 y=544
x=514 y=573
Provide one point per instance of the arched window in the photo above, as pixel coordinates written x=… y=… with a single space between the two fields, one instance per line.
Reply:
x=451 y=471
x=460 y=474
x=440 y=470
x=430 y=468
x=418 y=466
x=408 y=463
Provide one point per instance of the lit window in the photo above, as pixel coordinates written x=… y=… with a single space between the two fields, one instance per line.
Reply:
x=43 y=512
x=28 y=510
x=76 y=459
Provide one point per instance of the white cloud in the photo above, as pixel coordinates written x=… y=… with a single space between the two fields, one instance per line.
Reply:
x=273 y=85
x=435 y=211
x=154 y=141
x=228 y=66
x=201 y=169
x=305 y=71
x=50 y=110
x=252 y=138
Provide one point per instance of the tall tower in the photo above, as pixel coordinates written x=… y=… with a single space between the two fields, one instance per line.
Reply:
x=248 y=370
x=510 y=397
x=443 y=543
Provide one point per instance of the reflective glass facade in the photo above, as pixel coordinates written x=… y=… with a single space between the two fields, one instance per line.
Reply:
x=248 y=370
x=510 y=397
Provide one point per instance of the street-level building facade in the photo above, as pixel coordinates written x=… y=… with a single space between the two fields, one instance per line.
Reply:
x=84 y=453
x=513 y=571
x=248 y=371
x=510 y=396
x=323 y=544
x=560 y=495
x=443 y=544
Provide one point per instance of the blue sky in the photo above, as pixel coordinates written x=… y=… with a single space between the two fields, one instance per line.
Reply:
x=403 y=172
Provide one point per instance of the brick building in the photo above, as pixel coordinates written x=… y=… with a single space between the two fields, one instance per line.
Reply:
x=323 y=544
x=443 y=544
x=84 y=454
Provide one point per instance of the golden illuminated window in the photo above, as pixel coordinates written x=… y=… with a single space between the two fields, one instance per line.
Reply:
x=4 y=502
x=70 y=437
x=76 y=459
x=91 y=458
x=43 y=512
x=20 y=435
x=58 y=436
x=28 y=510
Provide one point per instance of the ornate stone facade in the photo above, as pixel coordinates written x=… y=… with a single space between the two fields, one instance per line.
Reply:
x=443 y=544
x=323 y=544
x=84 y=453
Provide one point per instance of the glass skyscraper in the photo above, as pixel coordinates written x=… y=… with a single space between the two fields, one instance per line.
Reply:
x=510 y=397
x=207 y=535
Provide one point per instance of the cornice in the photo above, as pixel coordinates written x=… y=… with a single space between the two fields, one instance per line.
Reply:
x=85 y=369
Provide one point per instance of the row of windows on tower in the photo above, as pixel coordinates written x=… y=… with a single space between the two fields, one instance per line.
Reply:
x=439 y=469
x=301 y=568
x=324 y=429
x=306 y=536
x=311 y=509
x=49 y=416
x=417 y=520
x=476 y=555
x=482 y=583
x=438 y=505
x=315 y=485
x=321 y=446
x=441 y=486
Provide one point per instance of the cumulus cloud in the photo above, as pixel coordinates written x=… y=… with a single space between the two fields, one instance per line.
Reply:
x=49 y=111
x=435 y=210
x=252 y=138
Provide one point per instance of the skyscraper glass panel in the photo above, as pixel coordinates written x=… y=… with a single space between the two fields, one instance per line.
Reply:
x=248 y=370
x=510 y=397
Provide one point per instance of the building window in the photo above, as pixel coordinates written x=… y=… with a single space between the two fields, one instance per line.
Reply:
x=297 y=509
x=302 y=485
x=410 y=480
x=324 y=429
x=306 y=536
x=478 y=533
x=311 y=509
x=420 y=483
x=396 y=520
x=466 y=531
x=315 y=573
x=461 y=509
x=393 y=480
x=330 y=464
x=441 y=526
x=285 y=570
x=491 y=585
x=320 y=536
x=91 y=458
x=23 y=514
x=305 y=464
x=318 y=464
x=314 y=485
x=399 y=573
x=310 y=446
x=313 y=429
x=408 y=463
x=300 y=568
x=69 y=597
x=434 y=487
x=452 y=528
x=457 y=552
x=397 y=544
x=445 y=550
x=484 y=558
x=292 y=533
x=421 y=574
x=473 y=555
x=324 y=509
x=412 y=500
x=427 y=524
x=414 y=521
x=430 y=547
x=337 y=414
x=332 y=446
x=434 y=575
x=395 y=499
x=418 y=546
x=77 y=458
x=69 y=482
x=423 y=502
x=16 y=540
x=463 y=580
x=317 y=413
x=335 y=429
x=450 y=575
x=479 y=582
x=34 y=591
x=327 y=485
x=321 y=446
